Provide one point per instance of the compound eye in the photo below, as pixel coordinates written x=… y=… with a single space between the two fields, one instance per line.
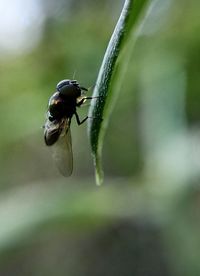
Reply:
x=61 y=84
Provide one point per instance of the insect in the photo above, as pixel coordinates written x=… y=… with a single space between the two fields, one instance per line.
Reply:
x=61 y=107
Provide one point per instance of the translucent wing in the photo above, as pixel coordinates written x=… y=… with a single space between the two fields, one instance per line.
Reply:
x=62 y=152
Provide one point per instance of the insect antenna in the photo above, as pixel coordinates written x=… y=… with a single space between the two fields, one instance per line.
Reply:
x=74 y=74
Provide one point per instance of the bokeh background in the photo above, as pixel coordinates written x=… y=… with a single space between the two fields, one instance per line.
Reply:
x=145 y=219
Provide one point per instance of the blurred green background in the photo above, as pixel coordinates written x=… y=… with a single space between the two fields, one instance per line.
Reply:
x=145 y=219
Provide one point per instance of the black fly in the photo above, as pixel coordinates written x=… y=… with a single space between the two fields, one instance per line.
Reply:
x=62 y=106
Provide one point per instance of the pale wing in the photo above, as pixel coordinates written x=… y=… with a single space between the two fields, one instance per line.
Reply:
x=62 y=152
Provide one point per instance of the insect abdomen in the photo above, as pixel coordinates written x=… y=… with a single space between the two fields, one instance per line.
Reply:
x=50 y=137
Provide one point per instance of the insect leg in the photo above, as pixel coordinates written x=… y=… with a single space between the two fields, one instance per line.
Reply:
x=83 y=88
x=81 y=101
x=78 y=120
x=84 y=99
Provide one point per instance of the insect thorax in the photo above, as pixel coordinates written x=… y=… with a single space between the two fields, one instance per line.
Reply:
x=60 y=106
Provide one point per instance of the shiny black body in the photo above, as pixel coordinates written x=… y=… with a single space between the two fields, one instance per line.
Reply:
x=62 y=106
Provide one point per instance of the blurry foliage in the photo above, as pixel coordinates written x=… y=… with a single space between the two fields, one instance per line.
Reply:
x=145 y=219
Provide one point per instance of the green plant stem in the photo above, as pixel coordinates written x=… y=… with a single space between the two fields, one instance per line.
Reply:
x=102 y=105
